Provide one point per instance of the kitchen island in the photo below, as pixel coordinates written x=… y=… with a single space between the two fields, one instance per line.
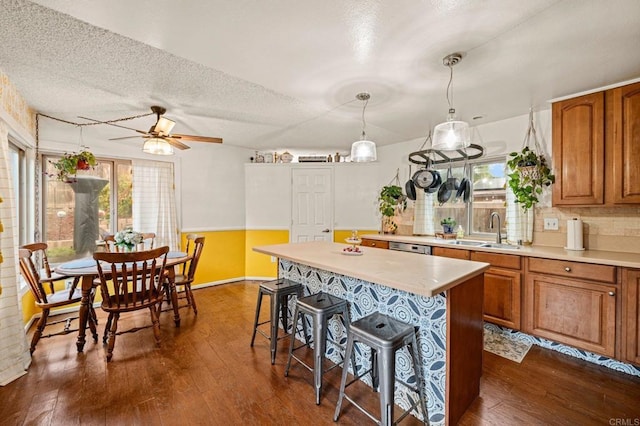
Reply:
x=442 y=297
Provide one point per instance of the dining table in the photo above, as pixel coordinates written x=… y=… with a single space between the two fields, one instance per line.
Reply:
x=87 y=270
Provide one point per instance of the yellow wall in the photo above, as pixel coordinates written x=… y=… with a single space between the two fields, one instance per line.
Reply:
x=258 y=264
x=222 y=256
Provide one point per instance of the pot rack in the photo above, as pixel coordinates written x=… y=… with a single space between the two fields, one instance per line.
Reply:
x=436 y=156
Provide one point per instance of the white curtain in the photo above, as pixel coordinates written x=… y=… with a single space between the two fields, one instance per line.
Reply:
x=154 y=201
x=14 y=352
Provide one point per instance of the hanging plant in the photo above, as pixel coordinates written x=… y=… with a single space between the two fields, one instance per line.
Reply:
x=68 y=165
x=391 y=201
x=530 y=173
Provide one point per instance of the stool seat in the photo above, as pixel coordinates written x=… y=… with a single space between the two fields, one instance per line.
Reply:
x=384 y=335
x=280 y=291
x=320 y=307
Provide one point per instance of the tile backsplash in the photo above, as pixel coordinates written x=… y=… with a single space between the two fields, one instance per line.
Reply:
x=605 y=228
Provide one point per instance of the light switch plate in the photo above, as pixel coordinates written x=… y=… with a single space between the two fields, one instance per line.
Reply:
x=550 y=224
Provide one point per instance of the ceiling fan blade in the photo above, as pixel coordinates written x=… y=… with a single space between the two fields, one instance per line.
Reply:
x=125 y=137
x=197 y=138
x=115 y=125
x=176 y=143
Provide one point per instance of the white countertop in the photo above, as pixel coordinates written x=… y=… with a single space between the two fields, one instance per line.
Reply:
x=413 y=273
x=613 y=258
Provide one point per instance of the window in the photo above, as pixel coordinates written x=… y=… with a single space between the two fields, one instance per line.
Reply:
x=77 y=213
x=18 y=170
x=488 y=195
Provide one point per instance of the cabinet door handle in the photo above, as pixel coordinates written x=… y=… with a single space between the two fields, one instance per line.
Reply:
x=568 y=269
x=612 y=293
x=373 y=244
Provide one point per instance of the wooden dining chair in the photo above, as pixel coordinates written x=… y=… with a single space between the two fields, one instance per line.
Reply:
x=45 y=274
x=47 y=301
x=148 y=239
x=130 y=282
x=184 y=279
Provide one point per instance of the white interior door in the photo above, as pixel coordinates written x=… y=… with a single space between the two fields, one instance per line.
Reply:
x=312 y=205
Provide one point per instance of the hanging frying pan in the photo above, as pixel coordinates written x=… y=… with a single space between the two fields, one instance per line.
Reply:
x=444 y=193
x=463 y=188
x=410 y=187
x=423 y=178
x=435 y=185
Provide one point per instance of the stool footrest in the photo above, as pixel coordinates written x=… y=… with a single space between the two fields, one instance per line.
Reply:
x=359 y=407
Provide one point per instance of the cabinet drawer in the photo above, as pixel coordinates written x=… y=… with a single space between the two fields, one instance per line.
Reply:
x=375 y=243
x=449 y=252
x=496 y=259
x=563 y=268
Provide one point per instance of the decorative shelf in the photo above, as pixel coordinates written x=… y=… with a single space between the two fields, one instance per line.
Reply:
x=423 y=157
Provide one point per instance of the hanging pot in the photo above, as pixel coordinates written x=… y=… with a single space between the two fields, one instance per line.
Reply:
x=463 y=188
x=410 y=189
x=435 y=185
x=444 y=193
x=423 y=178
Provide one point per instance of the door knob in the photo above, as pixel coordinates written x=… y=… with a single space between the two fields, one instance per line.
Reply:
x=326 y=230
x=612 y=293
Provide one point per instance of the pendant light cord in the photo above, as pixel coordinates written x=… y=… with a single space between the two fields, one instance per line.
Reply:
x=364 y=123
x=450 y=86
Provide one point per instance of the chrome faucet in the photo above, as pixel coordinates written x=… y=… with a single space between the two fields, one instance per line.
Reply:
x=498 y=235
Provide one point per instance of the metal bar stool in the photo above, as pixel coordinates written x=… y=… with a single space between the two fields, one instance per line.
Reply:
x=384 y=335
x=280 y=291
x=320 y=307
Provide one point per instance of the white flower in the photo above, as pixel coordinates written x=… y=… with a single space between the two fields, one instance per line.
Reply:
x=128 y=237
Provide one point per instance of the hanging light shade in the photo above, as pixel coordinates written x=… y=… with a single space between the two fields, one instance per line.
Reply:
x=363 y=150
x=157 y=146
x=452 y=134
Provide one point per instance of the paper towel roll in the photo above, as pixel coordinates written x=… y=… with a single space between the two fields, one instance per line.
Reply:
x=574 y=234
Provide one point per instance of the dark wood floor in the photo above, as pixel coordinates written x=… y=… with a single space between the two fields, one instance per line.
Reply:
x=206 y=373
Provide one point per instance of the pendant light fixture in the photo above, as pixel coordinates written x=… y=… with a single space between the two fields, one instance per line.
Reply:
x=452 y=134
x=363 y=150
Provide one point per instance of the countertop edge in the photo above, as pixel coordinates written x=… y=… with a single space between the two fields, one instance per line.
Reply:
x=623 y=259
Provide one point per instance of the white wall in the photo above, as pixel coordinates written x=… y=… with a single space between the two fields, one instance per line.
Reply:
x=267 y=196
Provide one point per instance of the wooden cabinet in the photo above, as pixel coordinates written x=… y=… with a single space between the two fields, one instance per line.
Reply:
x=375 y=243
x=596 y=148
x=578 y=150
x=502 y=288
x=630 y=346
x=623 y=145
x=578 y=312
x=450 y=252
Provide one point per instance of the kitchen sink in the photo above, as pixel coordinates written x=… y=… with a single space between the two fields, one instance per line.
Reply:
x=499 y=246
x=467 y=243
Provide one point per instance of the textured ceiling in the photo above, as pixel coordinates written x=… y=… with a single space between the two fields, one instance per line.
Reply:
x=284 y=74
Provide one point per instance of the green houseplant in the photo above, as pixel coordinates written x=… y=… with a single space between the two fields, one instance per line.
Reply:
x=68 y=165
x=391 y=201
x=448 y=223
x=529 y=175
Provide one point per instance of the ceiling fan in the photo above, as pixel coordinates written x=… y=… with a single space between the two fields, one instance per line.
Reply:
x=159 y=139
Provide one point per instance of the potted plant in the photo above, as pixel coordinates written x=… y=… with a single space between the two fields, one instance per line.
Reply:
x=69 y=164
x=390 y=202
x=448 y=223
x=529 y=175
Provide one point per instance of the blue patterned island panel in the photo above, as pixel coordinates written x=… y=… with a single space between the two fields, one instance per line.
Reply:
x=429 y=314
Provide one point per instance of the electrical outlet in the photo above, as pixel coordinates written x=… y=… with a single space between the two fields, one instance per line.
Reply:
x=550 y=224
x=273 y=259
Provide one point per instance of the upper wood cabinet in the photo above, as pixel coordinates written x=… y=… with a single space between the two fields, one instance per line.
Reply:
x=623 y=145
x=578 y=150
x=596 y=148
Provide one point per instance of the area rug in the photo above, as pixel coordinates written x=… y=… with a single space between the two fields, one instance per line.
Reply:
x=500 y=343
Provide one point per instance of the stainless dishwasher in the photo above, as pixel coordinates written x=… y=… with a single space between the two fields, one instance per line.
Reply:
x=413 y=248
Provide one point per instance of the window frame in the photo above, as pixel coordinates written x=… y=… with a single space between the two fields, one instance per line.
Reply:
x=471 y=164
x=113 y=195
x=20 y=189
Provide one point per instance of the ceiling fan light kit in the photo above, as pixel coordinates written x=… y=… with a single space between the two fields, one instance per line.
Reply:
x=157 y=146
x=453 y=134
x=363 y=150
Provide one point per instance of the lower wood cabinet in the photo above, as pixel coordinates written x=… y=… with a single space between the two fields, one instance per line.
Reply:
x=449 y=252
x=631 y=316
x=502 y=288
x=375 y=243
x=578 y=313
